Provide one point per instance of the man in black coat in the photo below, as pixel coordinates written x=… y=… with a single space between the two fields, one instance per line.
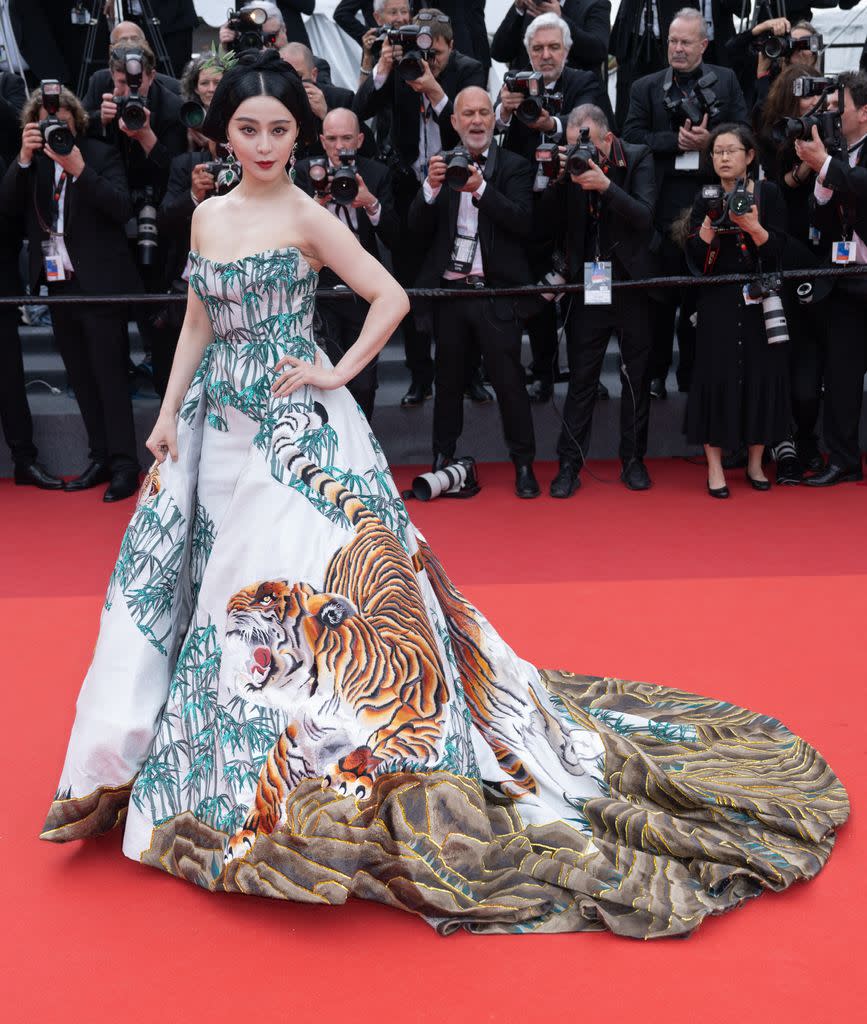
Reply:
x=370 y=216
x=640 y=50
x=78 y=205
x=15 y=418
x=548 y=42
x=678 y=146
x=604 y=214
x=589 y=24
x=840 y=215
x=177 y=20
x=12 y=98
x=421 y=127
x=475 y=237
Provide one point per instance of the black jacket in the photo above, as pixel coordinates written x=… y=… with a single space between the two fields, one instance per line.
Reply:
x=292 y=11
x=175 y=212
x=12 y=99
x=175 y=15
x=626 y=42
x=589 y=23
x=150 y=169
x=625 y=218
x=648 y=123
x=378 y=180
x=846 y=210
x=577 y=87
x=96 y=208
x=505 y=225
x=460 y=72
x=101 y=82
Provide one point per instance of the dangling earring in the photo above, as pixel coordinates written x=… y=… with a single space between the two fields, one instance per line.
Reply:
x=292 y=160
x=229 y=151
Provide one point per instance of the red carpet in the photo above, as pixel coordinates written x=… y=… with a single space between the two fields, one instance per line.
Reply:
x=759 y=600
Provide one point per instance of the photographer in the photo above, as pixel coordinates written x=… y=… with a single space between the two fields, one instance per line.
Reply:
x=385 y=14
x=421 y=126
x=740 y=385
x=12 y=98
x=601 y=211
x=364 y=203
x=528 y=121
x=759 y=54
x=282 y=23
x=674 y=112
x=124 y=33
x=840 y=217
x=589 y=23
x=467 y=18
x=75 y=204
x=472 y=219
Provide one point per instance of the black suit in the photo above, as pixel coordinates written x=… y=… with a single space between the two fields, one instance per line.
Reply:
x=177 y=20
x=649 y=123
x=12 y=99
x=589 y=23
x=846 y=311
x=15 y=418
x=92 y=339
x=622 y=219
x=504 y=225
x=292 y=11
x=403 y=144
x=339 y=321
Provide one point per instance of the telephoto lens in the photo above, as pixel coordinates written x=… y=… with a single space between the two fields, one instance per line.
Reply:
x=776 y=327
x=147 y=237
x=56 y=135
x=192 y=114
x=457 y=479
x=344 y=184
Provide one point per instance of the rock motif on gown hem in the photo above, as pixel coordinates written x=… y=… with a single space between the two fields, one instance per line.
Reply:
x=289 y=698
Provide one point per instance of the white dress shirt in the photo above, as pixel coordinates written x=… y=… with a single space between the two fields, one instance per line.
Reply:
x=429 y=138
x=825 y=195
x=467 y=223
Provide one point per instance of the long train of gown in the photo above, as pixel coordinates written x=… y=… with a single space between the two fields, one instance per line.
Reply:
x=289 y=698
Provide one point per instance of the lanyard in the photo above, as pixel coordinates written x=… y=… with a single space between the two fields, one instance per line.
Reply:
x=55 y=201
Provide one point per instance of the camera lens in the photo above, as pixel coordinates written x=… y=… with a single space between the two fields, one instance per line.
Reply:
x=59 y=138
x=192 y=114
x=132 y=113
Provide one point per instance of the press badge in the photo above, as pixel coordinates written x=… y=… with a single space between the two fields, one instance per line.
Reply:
x=463 y=254
x=52 y=261
x=597 y=283
x=688 y=161
x=842 y=252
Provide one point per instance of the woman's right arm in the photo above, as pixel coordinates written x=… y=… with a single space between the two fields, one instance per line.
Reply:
x=195 y=336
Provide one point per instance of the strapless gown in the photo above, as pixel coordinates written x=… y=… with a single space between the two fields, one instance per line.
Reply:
x=289 y=698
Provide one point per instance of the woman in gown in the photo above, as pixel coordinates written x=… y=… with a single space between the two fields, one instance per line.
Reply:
x=289 y=698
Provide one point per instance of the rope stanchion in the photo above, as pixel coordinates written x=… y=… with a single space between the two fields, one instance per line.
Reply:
x=684 y=281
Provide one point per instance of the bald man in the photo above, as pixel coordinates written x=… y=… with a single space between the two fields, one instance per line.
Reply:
x=475 y=237
x=370 y=217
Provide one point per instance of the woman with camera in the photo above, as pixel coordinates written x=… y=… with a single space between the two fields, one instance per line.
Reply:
x=740 y=387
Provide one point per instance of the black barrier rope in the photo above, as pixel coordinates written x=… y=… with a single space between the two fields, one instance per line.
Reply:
x=712 y=280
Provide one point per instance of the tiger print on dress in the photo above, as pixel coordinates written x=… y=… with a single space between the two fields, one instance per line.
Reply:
x=358 y=661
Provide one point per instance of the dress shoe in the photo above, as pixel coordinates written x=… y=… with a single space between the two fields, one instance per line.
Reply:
x=757 y=485
x=476 y=391
x=566 y=482
x=96 y=473
x=540 y=391
x=440 y=461
x=37 y=475
x=832 y=474
x=811 y=458
x=718 y=492
x=635 y=475
x=602 y=392
x=526 y=484
x=416 y=394
x=789 y=470
x=124 y=483
x=657 y=388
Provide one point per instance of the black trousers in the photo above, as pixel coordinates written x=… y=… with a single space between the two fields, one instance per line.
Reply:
x=338 y=324
x=15 y=416
x=407 y=257
x=845 y=366
x=93 y=345
x=664 y=316
x=807 y=329
x=589 y=330
x=459 y=325
x=542 y=331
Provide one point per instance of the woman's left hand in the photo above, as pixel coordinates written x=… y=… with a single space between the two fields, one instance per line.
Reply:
x=298 y=373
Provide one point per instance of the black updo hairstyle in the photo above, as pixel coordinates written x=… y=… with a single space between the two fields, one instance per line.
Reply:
x=259 y=73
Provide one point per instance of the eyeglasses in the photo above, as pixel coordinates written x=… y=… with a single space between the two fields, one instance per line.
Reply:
x=728 y=152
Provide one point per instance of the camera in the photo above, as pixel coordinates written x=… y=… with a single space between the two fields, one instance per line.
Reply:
x=341 y=185
x=457 y=480
x=536 y=100
x=131 y=109
x=247 y=26
x=782 y=47
x=767 y=288
x=548 y=160
x=79 y=15
x=192 y=114
x=55 y=132
x=226 y=175
x=693 y=108
x=416 y=42
x=578 y=157
x=458 y=167
x=828 y=122
x=807 y=86
x=147 y=238
x=720 y=204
